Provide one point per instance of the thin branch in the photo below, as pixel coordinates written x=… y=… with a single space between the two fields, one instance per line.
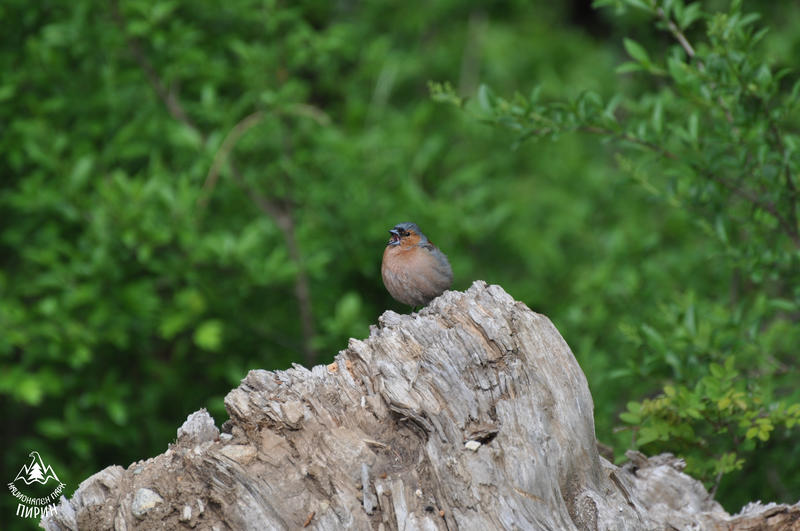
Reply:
x=167 y=96
x=302 y=289
x=239 y=130
x=627 y=137
x=224 y=150
x=306 y=110
x=787 y=172
x=717 y=481
x=678 y=34
x=279 y=213
x=471 y=57
x=769 y=207
x=689 y=49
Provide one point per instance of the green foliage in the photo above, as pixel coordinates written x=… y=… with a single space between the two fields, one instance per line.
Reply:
x=710 y=127
x=195 y=190
x=712 y=423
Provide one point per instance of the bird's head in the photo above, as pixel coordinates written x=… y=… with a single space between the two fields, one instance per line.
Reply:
x=406 y=235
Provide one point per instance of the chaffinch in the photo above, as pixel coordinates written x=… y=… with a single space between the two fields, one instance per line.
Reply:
x=414 y=270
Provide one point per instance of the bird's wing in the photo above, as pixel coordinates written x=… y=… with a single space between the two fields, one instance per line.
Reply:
x=428 y=246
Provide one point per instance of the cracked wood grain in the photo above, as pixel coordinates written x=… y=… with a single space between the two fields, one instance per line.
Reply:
x=471 y=414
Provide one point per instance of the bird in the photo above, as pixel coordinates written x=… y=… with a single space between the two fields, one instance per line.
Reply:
x=414 y=270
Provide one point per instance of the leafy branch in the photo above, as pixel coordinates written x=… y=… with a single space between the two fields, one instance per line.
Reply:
x=279 y=211
x=718 y=138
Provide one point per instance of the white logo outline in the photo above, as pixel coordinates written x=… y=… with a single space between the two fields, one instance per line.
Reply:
x=36 y=471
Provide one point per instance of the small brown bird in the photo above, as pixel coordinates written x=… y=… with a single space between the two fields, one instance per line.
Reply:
x=413 y=269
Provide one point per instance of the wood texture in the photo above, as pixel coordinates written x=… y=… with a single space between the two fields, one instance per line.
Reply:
x=471 y=415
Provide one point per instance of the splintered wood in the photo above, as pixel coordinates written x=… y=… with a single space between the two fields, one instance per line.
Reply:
x=471 y=414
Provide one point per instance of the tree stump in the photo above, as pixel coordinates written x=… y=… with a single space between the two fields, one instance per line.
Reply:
x=472 y=414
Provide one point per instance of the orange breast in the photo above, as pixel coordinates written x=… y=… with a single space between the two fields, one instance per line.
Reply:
x=414 y=275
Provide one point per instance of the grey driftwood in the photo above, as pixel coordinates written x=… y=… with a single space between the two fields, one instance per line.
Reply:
x=471 y=415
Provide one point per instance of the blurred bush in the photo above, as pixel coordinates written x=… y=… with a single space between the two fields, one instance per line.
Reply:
x=196 y=190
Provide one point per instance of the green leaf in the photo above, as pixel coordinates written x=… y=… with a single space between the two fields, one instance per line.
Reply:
x=749 y=18
x=29 y=390
x=689 y=15
x=657 y=117
x=208 y=335
x=634 y=407
x=678 y=70
x=174 y=323
x=646 y=5
x=764 y=76
x=7 y=92
x=117 y=411
x=636 y=51
x=730 y=363
x=719 y=226
x=647 y=435
x=628 y=67
x=52 y=428
x=694 y=127
x=485 y=98
x=630 y=418
x=694 y=413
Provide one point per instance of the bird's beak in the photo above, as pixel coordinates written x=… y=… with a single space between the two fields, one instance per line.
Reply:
x=395 y=239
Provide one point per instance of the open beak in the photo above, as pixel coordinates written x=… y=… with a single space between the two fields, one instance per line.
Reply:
x=395 y=239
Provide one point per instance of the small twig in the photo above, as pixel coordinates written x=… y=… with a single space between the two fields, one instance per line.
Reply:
x=790 y=187
x=470 y=59
x=169 y=98
x=717 y=481
x=302 y=286
x=624 y=491
x=678 y=34
x=689 y=49
x=788 y=225
x=224 y=150
x=308 y=520
x=244 y=125
x=627 y=137
x=767 y=206
x=308 y=111
x=281 y=215
x=529 y=495
x=369 y=500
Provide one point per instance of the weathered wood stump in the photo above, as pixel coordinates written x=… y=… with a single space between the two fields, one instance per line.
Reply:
x=472 y=415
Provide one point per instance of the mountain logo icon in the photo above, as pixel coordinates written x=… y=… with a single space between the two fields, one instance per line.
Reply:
x=36 y=471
